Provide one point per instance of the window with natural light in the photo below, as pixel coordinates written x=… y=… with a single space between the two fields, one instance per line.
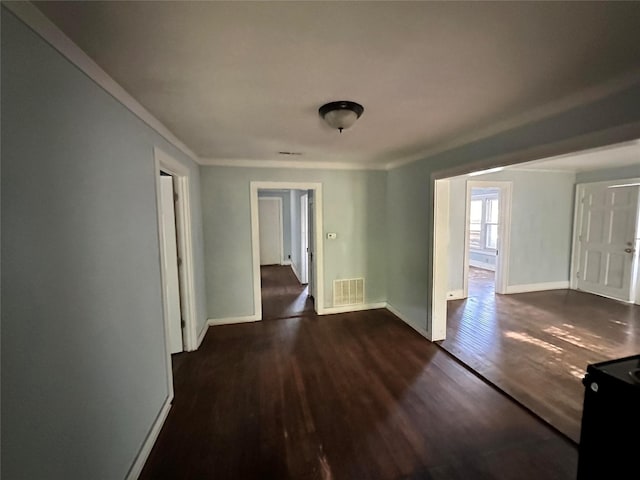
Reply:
x=483 y=221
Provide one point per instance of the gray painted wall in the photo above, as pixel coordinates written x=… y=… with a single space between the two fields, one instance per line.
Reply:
x=630 y=171
x=409 y=204
x=286 y=217
x=84 y=373
x=354 y=205
x=541 y=226
x=410 y=188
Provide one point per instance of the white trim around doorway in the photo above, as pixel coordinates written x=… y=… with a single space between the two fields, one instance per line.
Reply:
x=437 y=324
x=255 y=241
x=166 y=163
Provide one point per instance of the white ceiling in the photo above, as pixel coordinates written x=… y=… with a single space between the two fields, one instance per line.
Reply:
x=243 y=81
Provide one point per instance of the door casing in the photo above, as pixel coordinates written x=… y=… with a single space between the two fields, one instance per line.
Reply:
x=317 y=283
x=180 y=173
x=304 y=238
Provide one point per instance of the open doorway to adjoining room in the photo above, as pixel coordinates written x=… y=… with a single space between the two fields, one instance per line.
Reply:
x=567 y=292
x=286 y=225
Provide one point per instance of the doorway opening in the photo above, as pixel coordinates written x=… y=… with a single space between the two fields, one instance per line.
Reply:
x=283 y=253
x=287 y=249
x=482 y=241
x=547 y=329
x=487 y=238
x=176 y=258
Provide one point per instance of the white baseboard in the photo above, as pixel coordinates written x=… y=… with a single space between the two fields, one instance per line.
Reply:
x=352 y=308
x=286 y=262
x=145 y=450
x=630 y=302
x=482 y=265
x=203 y=332
x=398 y=314
x=455 y=295
x=538 y=287
x=212 y=322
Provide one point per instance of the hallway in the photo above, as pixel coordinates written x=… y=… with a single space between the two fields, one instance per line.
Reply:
x=282 y=294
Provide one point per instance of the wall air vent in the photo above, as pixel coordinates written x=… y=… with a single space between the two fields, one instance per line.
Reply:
x=348 y=292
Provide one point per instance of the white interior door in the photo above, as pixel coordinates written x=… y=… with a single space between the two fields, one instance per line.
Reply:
x=311 y=245
x=606 y=241
x=270 y=224
x=172 y=283
x=304 y=238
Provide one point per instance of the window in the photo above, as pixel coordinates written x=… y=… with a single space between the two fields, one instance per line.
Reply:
x=475 y=224
x=483 y=221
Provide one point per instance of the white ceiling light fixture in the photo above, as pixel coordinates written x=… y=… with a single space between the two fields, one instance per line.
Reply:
x=341 y=114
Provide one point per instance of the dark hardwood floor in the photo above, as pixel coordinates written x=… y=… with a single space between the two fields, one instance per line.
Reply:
x=282 y=295
x=348 y=396
x=536 y=346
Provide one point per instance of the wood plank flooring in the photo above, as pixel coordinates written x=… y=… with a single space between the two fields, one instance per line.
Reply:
x=282 y=295
x=536 y=346
x=348 y=396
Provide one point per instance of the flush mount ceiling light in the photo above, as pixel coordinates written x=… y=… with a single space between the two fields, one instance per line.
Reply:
x=341 y=114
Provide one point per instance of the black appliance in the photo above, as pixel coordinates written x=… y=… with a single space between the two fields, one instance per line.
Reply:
x=610 y=436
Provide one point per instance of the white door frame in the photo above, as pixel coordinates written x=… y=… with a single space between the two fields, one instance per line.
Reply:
x=181 y=175
x=437 y=324
x=437 y=320
x=318 y=271
x=278 y=200
x=304 y=238
x=577 y=228
x=504 y=233
x=438 y=240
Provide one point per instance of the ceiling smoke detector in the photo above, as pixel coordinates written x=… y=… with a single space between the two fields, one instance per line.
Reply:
x=341 y=114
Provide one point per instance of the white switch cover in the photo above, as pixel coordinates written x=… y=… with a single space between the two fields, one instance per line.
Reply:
x=332 y=236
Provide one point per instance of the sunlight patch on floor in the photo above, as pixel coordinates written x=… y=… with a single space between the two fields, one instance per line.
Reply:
x=618 y=322
x=567 y=337
x=526 y=338
x=576 y=372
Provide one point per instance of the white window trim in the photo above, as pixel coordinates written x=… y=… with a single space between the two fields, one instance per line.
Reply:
x=483 y=223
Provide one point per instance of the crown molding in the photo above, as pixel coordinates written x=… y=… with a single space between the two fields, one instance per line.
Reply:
x=582 y=97
x=541 y=170
x=293 y=164
x=49 y=32
x=586 y=141
x=31 y=16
